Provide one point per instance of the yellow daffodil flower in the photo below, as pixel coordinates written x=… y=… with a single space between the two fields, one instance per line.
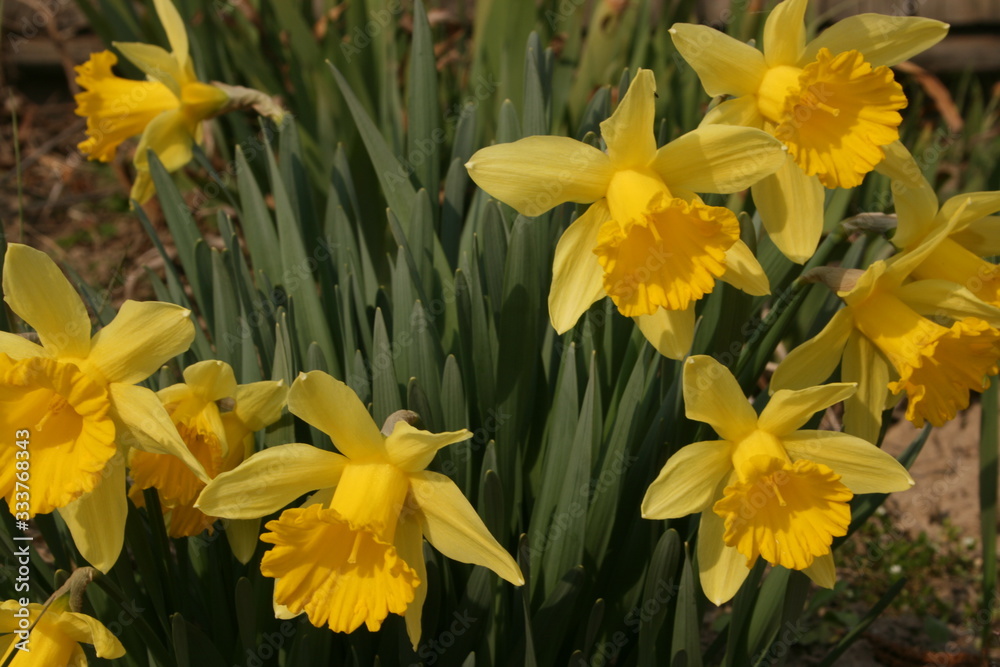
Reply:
x=74 y=401
x=885 y=325
x=958 y=258
x=55 y=639
x=216 y=418
x=167 y=109
x=647 y=241
x=833 y=102
x=766 y=489
x=353 y=553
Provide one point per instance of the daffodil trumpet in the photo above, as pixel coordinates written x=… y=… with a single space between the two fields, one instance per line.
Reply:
x=353 y=553
x=832 y=101
x=647 y=240
x=74 y=397
x=765 y=489
x=167 y=110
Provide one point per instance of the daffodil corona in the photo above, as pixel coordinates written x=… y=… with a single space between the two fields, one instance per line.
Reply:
x=55 y=637
x=74 y=396
x=216 y=418
x=832 y=101
x=647 y=241
x=352 y=554
x=766 y=489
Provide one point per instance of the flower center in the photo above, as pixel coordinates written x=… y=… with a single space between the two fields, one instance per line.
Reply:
x=786 y=512
x=937 y=365
x=659 y=251
x=72 y=436
x=950 y=261
x=834 y=115
x=339 y=573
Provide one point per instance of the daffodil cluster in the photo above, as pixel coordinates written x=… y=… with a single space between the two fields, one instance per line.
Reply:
x=345 y=526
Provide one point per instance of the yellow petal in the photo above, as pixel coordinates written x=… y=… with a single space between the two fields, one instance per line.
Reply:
x=40 y=294
x=723 y=568
x=788 y=410
x=211 y=380
x=974 y=206
x=88 y=630
x=671 y=332
x=97 y=519
x=269 y=480
x=785 y=33
x=410 y=545
x=725 y=65
x=18 y=347
x=171 y=136
x=143 y=189
x=914 y=198
x=334 y=408
x=815 y=360
x=823 y=572
x=942 y=297
x=141 y=338
x=864 y=365
x=538 y=173
x=629 y=132
x=452 y=526
x=884 y=40
x=173 y=24
x=718 y=158
x=712 y=395
x=981 y=237
x=142 y=422
x=791 y=209
x=577 y=277
x=242 y=535
x=744 y=272
x=412 y=450
x=688 y=481
x=260 y=404
x=863 y=467
x=155 y=62
x=736 y=111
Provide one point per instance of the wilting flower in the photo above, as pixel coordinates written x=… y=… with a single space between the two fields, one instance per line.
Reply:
x=885 y=327
x=216 y=418
x=55 y=639
x=75 y=399
x=648 y=241
x=958 y=258
x=766 y=489
x=354 y=552
x=167 y=109
x=833 y=102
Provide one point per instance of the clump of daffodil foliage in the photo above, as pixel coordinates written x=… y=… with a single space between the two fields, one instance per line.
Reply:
x=464 y=353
